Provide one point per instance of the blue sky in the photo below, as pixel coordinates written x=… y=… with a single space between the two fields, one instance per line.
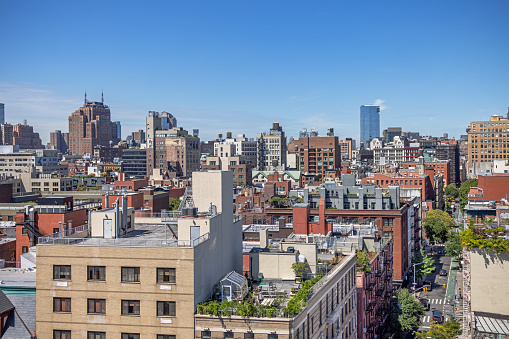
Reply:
x=240 y=65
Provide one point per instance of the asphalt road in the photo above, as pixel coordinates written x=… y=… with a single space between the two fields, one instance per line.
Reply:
x=437 y=297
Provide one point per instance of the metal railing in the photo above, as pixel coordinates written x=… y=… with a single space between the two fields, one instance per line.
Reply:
x=127 y=242
x=66 y=233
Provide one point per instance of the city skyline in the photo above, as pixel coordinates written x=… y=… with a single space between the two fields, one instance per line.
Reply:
x=240 y=67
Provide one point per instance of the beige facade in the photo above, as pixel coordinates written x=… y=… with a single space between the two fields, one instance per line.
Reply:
x=131 y=296
x=488 y=140
x=489 y=277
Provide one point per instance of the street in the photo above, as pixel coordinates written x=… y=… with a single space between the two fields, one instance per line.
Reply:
x=440 y=297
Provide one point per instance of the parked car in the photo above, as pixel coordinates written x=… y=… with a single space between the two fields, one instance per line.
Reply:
x=428 y=285
x=438 y=317
x=443 y=273
x=425 y=303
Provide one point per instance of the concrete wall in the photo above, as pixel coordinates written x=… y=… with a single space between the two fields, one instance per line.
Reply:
x=273 y=265
x=489 y=278
x=307 y=250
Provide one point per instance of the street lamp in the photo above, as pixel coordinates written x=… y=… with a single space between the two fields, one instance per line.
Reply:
x=414 y=274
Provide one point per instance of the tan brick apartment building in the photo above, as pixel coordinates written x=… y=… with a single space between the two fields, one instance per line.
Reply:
x=143 y=284
x=488 y=140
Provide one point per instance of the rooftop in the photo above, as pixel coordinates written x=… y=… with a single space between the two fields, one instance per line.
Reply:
x=142 y=236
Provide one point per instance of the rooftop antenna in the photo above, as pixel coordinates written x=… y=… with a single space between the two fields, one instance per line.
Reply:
x=102 y=96
x=85 y=97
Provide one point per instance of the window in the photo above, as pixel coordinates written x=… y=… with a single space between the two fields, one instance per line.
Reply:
x=248 y=335
x=61 y=304
x=130 y=274
x=130 y=336
x=272 y=336
x=24 y=231
x=228 y=335
x=388 y=221
x=61 y=334
x=61 y=272
x=205 y=335
x=130 y=307
x=97 y=273
x=97 y=306
x=166 y=336
x=24 y=249
x=166 y=275
x=166 y=308
x=96 y=335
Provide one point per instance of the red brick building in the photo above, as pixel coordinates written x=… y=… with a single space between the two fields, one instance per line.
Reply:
x=491 y=188
x=316 y=154
x=129 y=185
x=406 y=180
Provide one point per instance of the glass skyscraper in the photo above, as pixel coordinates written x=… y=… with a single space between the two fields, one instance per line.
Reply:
x=370 y=123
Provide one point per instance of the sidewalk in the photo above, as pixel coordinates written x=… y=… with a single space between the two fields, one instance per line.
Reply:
x=451 y=282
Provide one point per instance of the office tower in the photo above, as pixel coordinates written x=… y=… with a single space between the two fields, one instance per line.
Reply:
x=370 y=123
x=6 y=134
x=347 y=147
x=25 y=138
x=91 y=126
x=174 y=150
x=487 y=140
x=59 y=141
x=139 y=136
x=271 y=149
x=134 y=162
x=118 y=130
x=390 y=133
x=2 y=113
x=316 y=155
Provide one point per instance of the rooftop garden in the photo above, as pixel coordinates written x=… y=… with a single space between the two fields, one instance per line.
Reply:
x=490 y=239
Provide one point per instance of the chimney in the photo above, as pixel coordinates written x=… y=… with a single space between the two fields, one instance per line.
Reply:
x=264 y=238
x=60 y=229
x=124 y=212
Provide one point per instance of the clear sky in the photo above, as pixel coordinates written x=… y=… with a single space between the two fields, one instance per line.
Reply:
x=240 y=65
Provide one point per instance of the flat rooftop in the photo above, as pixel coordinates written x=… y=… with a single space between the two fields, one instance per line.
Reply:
x=142 y=236
x=17 y=277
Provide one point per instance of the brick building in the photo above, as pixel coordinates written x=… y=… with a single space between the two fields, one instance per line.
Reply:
x=242 y=170
x=490 y=188
x=316 y=155
x=90 y=126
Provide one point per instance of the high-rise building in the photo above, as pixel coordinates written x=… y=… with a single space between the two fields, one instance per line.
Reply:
x=2 y=113
x=390 y=133
x=174 y=150
x=487 y=140
x=239 y=146
x=370 y=123
x=118 y=129
x=59 y=141
x=316 y=155
x=134 y=162
x=347 y=148
x=91 y=126
x=6 y=134
x=271 y=149
x=25 y=138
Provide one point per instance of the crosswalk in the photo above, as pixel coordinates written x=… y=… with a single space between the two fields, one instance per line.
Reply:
x=427 y=318
x=437 y=301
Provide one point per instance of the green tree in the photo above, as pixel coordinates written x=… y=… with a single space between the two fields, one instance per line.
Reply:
x=300 y=269
x=453 y=246
x=407 y=313
x=463 y=191
x=448 y=330
x=362 y=261
x=427 y=267
x=174 y=204
x=437 y=225
x=451 y=191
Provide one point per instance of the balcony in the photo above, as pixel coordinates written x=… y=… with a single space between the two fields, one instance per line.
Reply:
x=379 y=291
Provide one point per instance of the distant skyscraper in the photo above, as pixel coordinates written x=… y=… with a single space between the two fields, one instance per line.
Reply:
x=370 y=123
x=119 y=130
x=2 y=113
x=91 y=126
